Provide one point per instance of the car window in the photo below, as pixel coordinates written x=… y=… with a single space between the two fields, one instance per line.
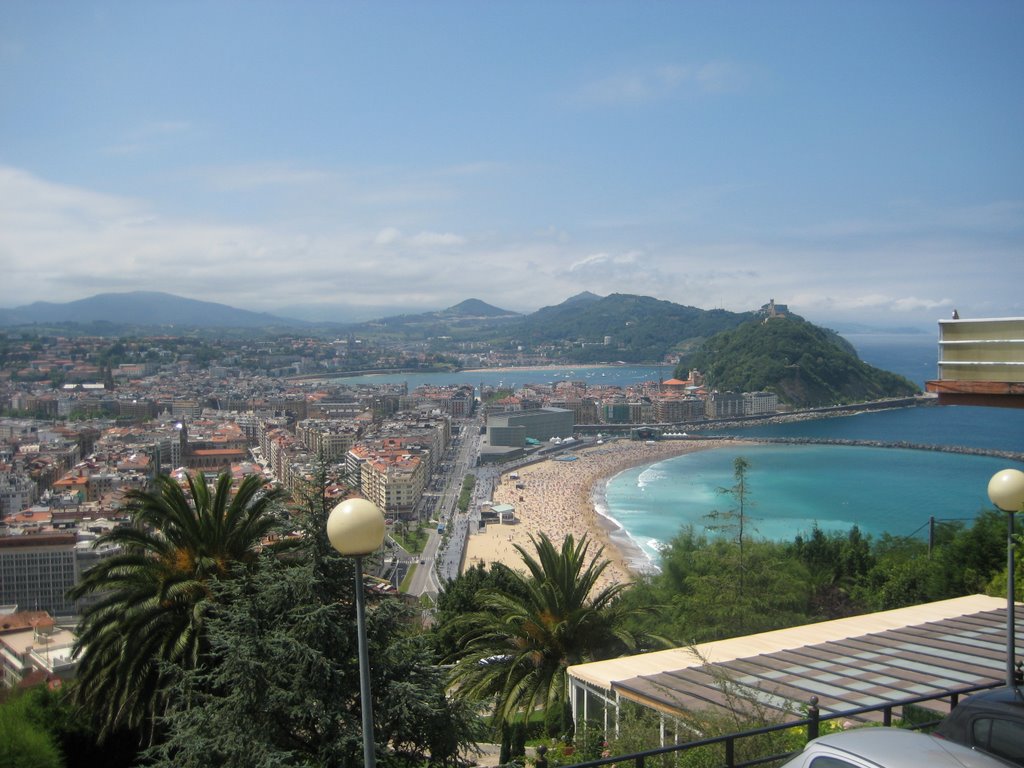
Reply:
x=1004 y=738
x=831 y=762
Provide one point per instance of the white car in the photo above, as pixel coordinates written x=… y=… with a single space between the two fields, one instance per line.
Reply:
x=888 y=748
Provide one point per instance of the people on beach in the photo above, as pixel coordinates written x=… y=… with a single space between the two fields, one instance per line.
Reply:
x=557 y=498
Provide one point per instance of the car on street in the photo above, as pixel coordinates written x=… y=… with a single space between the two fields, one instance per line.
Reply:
x=870 y=747
x=991 y=721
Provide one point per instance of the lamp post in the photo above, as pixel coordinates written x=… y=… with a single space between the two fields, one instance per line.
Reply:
x=1006 y=490
x=356 y=528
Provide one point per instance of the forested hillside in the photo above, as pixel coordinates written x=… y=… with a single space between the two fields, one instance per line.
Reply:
x=804 y=364
x=637 y=328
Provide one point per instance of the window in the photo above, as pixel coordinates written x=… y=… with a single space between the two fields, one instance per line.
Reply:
x=831 y=762
x=1004 y=738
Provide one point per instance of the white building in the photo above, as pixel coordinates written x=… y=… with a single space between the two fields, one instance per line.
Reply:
x=757 y=403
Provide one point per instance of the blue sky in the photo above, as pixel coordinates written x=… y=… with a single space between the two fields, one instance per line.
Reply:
x=860 y=161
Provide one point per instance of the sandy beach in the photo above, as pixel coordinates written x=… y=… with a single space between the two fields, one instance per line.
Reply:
x=558 y=498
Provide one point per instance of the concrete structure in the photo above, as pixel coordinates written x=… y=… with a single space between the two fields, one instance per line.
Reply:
x=512 y=429
x=724 y=405
x=37 y=570
x=759 y=403
x=392 y=480
x=327 y=438
x=981 y=362
x=31 y=646
x=673 y=409
x=17 y=491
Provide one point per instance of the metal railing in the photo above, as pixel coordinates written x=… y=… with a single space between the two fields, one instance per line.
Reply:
x=812 y=723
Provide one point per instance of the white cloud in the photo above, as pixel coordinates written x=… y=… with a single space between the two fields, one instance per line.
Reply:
x=59 y=242
x=662 y=82
x=387 y=236
x=255 y=176
x=392 y=236
x=428 y=239
x=721 y=76
x=588 y=261
x=149 y=136
x=611 y=260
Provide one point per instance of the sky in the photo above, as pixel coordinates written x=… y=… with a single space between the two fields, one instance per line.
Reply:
x=858 y=161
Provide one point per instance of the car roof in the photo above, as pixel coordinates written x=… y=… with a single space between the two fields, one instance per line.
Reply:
x=900 y=748
x=1005 y=696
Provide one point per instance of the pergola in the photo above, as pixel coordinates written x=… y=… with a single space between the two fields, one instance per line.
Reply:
x=848 y=664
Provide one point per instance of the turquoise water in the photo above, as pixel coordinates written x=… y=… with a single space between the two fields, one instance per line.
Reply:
x=792 y=488
x=514 y=378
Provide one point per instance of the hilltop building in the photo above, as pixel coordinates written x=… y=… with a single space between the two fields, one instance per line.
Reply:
x=771 y=309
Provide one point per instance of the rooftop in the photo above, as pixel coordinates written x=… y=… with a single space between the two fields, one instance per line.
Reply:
x=847 y=663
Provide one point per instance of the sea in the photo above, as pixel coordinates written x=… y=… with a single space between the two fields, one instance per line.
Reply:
x=792 y=488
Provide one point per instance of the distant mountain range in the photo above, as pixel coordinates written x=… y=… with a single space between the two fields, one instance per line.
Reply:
x=586 y=327
x=803 y=363
x=142 y=308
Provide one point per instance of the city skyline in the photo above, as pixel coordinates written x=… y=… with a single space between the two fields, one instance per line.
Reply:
x=350 y=161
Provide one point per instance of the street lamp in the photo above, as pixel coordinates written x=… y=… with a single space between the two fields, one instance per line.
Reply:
x=1006 y=491
x=356 y=528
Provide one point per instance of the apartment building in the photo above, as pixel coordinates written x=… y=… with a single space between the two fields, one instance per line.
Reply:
x=37 y=570
x=32 y=646
x=760 y=403
x=17 y=491
x=724 y=405
x=327 y=438
x=674 y=410
x=393 y=481
x=584 y=409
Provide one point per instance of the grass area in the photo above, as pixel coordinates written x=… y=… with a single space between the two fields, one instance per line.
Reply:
x=411 y=537
x=467 y=492
x=404 y=586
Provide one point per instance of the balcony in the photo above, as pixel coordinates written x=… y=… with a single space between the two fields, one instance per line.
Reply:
x=981 y=362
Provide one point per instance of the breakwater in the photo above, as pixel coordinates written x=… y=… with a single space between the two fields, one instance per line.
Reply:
x=900 y=444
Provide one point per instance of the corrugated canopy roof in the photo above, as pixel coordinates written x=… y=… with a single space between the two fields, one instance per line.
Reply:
x=847 y=663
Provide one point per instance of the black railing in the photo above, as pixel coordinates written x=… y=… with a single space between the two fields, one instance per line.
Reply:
x=812 y=723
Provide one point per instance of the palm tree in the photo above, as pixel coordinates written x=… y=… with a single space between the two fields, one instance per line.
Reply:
x=154 y=595
x=517 y=649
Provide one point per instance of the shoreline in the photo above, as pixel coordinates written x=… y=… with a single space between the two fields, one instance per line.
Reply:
x=562 y=367
x=560 y=498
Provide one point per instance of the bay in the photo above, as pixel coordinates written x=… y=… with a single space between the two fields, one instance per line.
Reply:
x=515 y=378
x=793 y=488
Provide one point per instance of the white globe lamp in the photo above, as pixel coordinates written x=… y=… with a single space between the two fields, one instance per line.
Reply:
x=1006 y=491
x=356 y=527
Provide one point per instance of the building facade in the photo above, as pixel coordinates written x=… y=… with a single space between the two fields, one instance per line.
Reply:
x=37 y=570
x=540 y=424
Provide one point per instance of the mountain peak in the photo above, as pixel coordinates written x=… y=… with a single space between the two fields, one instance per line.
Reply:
x=584 y=296
x=476 y=308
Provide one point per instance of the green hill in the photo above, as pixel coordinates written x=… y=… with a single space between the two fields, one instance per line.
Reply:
x=804 y=364
x=623 y=327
